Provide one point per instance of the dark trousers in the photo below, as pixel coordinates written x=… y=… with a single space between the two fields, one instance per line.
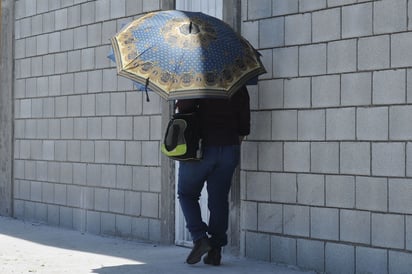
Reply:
x=216 y=169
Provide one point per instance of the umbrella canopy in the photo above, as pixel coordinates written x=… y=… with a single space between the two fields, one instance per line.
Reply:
x=182 y=55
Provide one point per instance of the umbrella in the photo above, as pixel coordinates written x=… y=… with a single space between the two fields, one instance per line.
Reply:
x=182 y=55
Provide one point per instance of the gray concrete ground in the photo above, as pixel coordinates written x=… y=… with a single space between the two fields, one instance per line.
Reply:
x=27 y=247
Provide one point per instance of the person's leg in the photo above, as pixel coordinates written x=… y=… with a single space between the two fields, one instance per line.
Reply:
x=191 y=179
x=218 y=187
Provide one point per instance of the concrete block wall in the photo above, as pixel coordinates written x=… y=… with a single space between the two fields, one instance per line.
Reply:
x=326 y=171
x=86 y=144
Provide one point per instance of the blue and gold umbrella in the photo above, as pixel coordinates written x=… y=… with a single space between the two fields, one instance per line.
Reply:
x=182 y=55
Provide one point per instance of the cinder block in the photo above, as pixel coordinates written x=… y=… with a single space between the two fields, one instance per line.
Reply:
x=371 y=193
x=249 y=157
x=54 y=41
x=101 y=59
x=357 y=20
x=312 y=59
x=48 y=150
x=41 y=171
x=329 y=31
x=249 y=215
x=390 y=16
x=283 y=250
x=101 y=199
x=311 y=189
x=340 y=191
x=124 y=179
x=134 y=103
x=29 y=170
x=74 y=106
x=389 y=87
x=311 y=5
x=388 y=230
x=259 y=11
x=94 y=35
x=155 y=128
x=356 y=89
x=73 y=16
x=67 y=40
x=285 y=62
x=87 y=59
x=388 y=159
x=108 y=224
x=342 y=56
x=53 y=217
x=355 y=158
x=94 y=81
x=132 y=203
x=67 y=128
x=66 y=173
x=42 y=42
x=150 y=204
x=250 y=30
x=324 y=223
x=93 y=222
x=296 y=220
x=311 y=254
x=284 y=125
x=298 y=29
x=133 y=7
x=103 y=10
x=117 y=8
x=271 y=31
x=133 y=153
x=297 y=93
x=94 y=173
x=280 y=7
x=31 y=47
x=408 y=232
x=373 y=52
x=118 y=103
x=399 y=126
x=283 y=187
x=102 y=105
x=116 y=201
x=109 y=176
x=117 y=152
x=109 y=127
x=311 y=125
x=325 y=157
x=88 y=105
x=355 y=226
x=73 y=197
x=400 y=55
x=88 y=13
x=150 y=153
x=79 y=174
x=258 y=186
x=140 y=228
x=80 y=82
x=267 y=61
x=155 y=180
x=125 y=128
x=270 y=218
x=60 y=150
x=371 y=260
x=372 y=123
x=102 y=151
x=60 y=194
x=339 y=258
x=259 y=127
x=94 y=128
x=257 y=246
x=340 y=124
x=36 y=191
x=80 y=128
x=110 y=84
x=124 y=225
x=53 y=171
x=400 y=191
x=140 y=178
x=399 y=262
x=326 y=91
x=66 y=217
x=270 y=156
x=297 y=156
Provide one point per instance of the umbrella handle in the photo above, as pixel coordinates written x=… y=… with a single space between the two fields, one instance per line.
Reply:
x=147 y=93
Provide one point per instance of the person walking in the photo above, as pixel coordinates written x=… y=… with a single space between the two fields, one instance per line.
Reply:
x=224 y=124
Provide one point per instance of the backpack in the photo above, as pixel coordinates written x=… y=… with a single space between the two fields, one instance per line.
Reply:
x=182 y=140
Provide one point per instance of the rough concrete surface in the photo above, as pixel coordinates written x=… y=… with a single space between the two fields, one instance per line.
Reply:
x=27 y=247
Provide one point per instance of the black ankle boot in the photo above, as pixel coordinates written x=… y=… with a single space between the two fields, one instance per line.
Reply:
x=213 y=257
x=201 y=247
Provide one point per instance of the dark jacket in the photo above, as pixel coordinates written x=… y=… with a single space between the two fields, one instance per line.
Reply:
x=223 y=121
